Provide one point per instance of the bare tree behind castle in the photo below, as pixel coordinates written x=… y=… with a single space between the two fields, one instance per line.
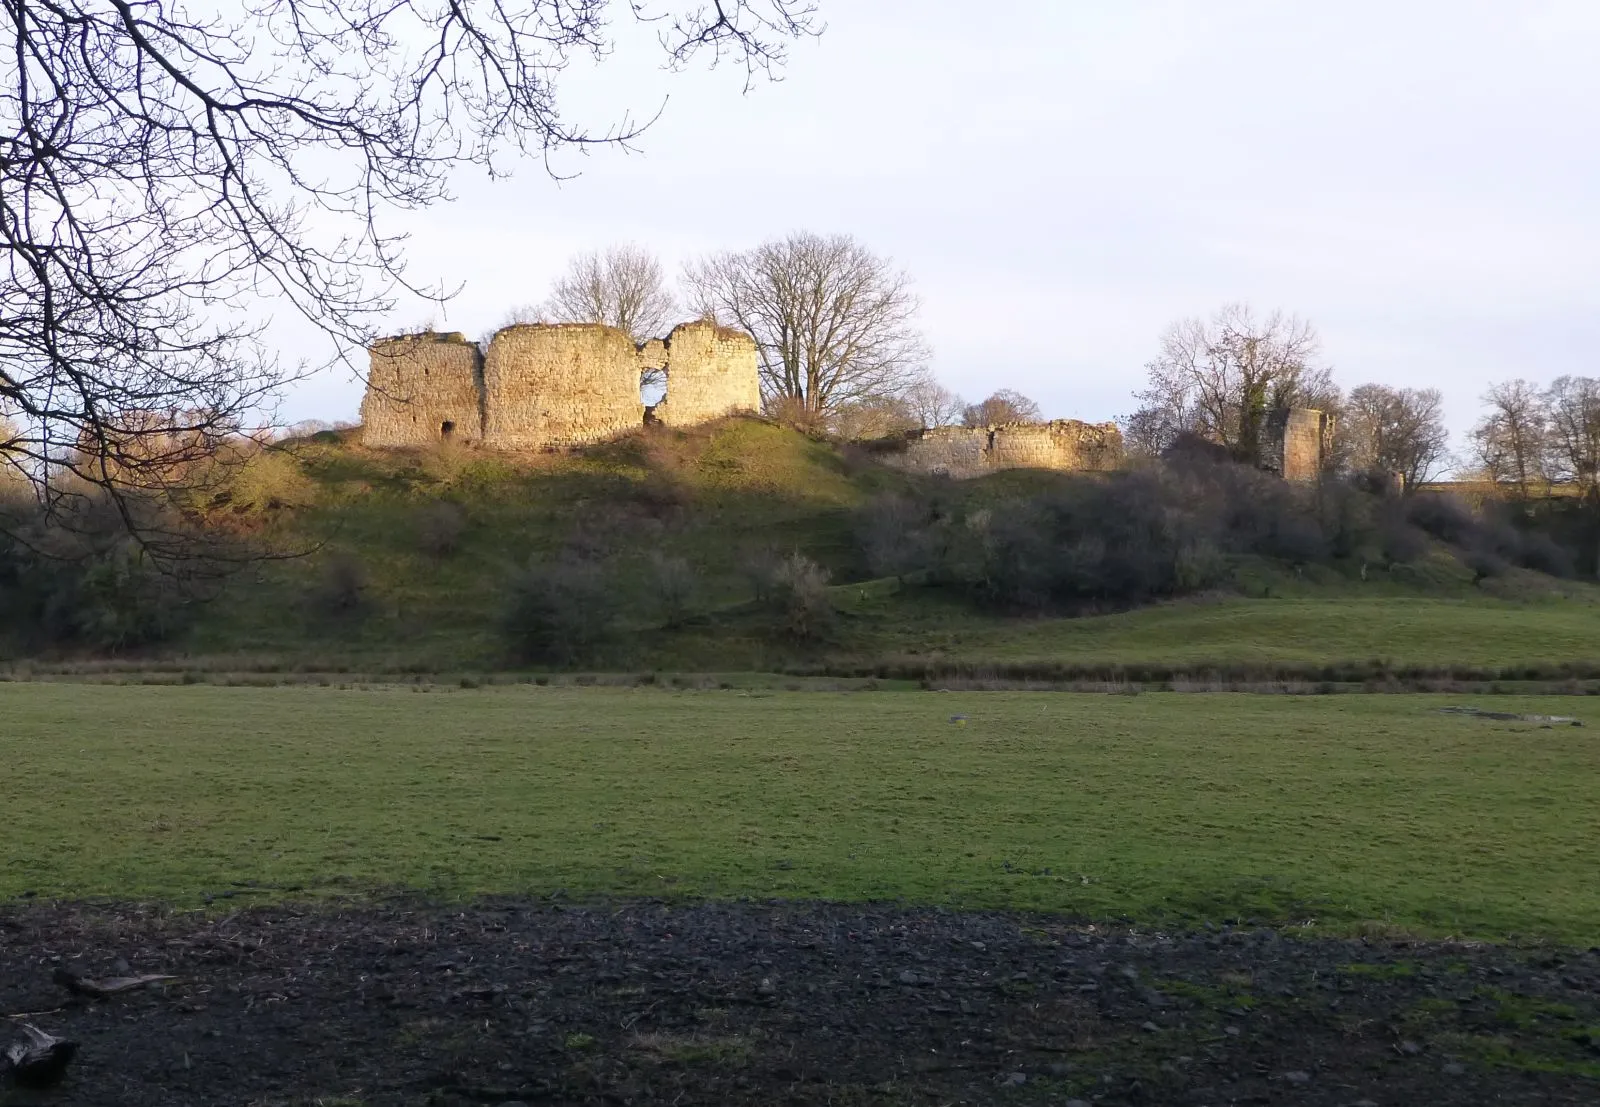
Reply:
x=1573 y=410
x=1005 y=406
x=1221 y=378
x=621 y=287
x=931 y=404
x=162 y=168
x=1397 y=430
x=835 y=323
x=1512 y=442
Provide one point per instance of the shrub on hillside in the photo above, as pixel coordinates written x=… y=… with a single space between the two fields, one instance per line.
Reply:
x=78 y=578
x=439 y=527
x=558 y=611
x=759 y=566
x=1104 y=542
x=799 y=592
x=342 y=587
x=674 y=585
x=1446 y=518
x=893 y=533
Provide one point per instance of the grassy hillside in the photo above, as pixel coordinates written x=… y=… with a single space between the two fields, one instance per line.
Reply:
x=369 y=523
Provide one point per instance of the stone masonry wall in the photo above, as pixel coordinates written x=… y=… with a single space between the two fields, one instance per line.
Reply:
x=560 y=384
x=422 y=388
x=1064 y=444
x=1297 y=440
x=712 y=371
x=551 y=385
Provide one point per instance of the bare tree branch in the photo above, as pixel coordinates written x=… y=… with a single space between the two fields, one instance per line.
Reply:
x=164 y=174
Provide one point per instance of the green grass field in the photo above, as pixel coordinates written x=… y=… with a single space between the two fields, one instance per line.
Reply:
x=1351 y=811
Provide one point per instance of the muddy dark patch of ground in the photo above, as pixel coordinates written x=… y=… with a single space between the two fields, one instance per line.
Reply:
x=646 y=1003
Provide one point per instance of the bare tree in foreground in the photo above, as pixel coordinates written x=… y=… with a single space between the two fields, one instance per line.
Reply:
x=1398 y=430
x=835 y=323
x=164 y=170
x=621 y=287
x=1005 y=406
x=1220 y=378
x=1512 y=441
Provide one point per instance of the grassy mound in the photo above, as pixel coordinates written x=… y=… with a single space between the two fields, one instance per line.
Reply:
x=405 y=559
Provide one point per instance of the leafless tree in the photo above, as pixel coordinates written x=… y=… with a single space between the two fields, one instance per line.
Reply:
x=1220 y=378
x=1398 y=430
x=1573 y=407
x=622 y=287
x=1512 y=441
x=933 y=405
x=1005 y=406
x=835 y=323
x=166 y=169
x=874 y=418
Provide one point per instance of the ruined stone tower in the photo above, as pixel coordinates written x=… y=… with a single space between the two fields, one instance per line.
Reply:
x=1296 y=442
x=541 y=385
x=423 y=388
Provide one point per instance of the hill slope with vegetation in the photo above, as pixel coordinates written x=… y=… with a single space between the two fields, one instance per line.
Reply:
x=746 y=546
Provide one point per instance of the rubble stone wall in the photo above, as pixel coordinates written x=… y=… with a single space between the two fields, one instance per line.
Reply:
x=1064 y=444
x=562 y=384
x=712 y=371
x=423 y=388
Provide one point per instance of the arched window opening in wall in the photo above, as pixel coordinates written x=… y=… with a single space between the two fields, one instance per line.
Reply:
x=447 y=430
x=652 y=387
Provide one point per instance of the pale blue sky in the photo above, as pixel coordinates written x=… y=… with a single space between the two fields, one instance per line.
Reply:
x=1062 y=179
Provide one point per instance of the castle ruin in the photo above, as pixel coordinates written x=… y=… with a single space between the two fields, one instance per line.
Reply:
x=543 y=386
x=1298 y=441
x=963 y=452
x=549 y=386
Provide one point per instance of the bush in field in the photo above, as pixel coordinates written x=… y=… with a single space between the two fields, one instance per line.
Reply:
x=558 y=611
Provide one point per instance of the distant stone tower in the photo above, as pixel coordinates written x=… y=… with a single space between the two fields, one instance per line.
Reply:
x=1297 y=442
x=560 y=384
x=711 y=372
x=421 y=389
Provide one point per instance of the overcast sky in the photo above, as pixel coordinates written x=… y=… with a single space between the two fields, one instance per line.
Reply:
x=1063 y=178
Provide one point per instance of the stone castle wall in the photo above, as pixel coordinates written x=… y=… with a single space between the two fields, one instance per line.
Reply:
x=542 y=386
x=422 y=388
x=1064 y=444
x=559 y=385
x=1297 y=441
x=711 y=371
